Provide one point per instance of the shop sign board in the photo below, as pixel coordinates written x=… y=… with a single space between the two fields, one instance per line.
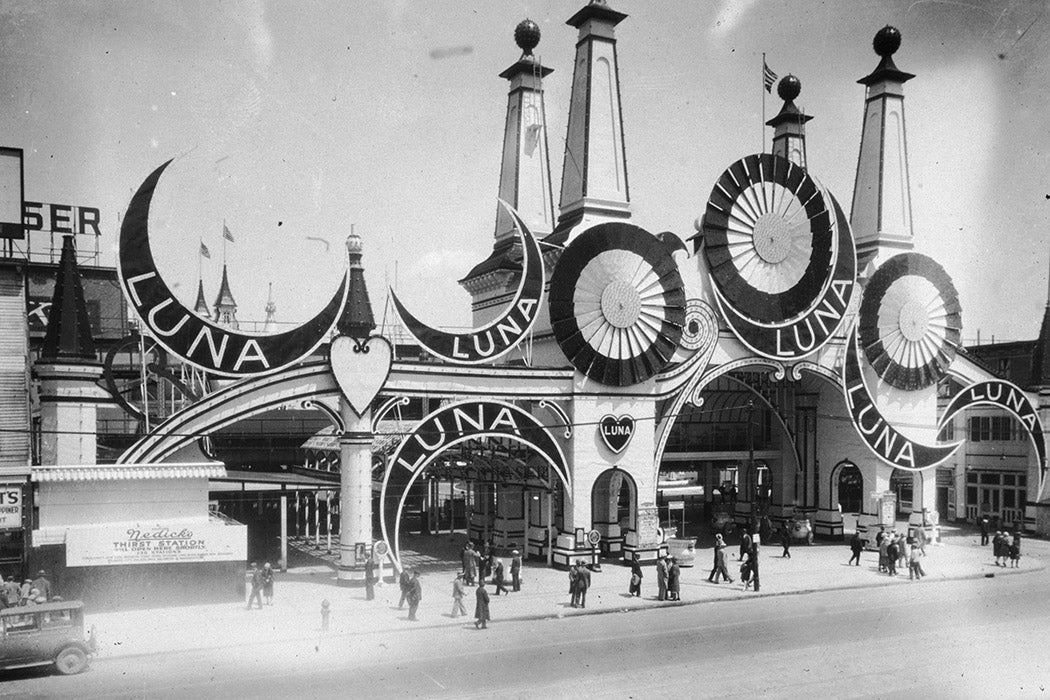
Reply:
x=121 y=545
x=11 y=499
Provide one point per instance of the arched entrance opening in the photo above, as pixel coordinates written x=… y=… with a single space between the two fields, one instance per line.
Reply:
x=509 y=465
x=848 y=482
x=614 y=507
x=732 y=456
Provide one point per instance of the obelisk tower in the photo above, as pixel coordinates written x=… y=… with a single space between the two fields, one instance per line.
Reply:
x=524 y=182
x=881 y=214
x=594 y=173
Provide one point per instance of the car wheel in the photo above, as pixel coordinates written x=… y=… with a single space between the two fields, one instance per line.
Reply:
x=71 y=660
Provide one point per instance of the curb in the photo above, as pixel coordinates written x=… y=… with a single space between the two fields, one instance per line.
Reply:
x=648 y=605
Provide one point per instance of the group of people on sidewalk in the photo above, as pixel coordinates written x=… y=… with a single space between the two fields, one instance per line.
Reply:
x=897 y=550
x=30 y=592
x=1007 y=547
x=477 y=567
x=748 y=558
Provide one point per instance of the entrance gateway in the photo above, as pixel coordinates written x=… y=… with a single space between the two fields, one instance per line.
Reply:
x=613 y=355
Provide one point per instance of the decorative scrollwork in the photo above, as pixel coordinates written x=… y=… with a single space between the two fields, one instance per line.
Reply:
x=561 y=414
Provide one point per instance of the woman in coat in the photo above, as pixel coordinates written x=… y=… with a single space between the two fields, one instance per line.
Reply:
x=636 y=578
x=674 y=577
x=267 y=582
x=481 y=607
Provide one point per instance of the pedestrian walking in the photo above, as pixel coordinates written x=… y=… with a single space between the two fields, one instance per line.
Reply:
x=809 y=531
x=920 y=539
x=326 y=610
x=583 y=582
x=661 y=576
x=498 y=580
x=486 y=561
x=674 y=580
x=469 y=558
x=984 y=530
x=415 y=595
x=915 y=564
x=997 y=546
x=481 y=607
x=892 y=553
x=404 y=582
x=267 y=583
x=515 y=569
x=458 y=591
x=1015 y=551
x=884 y=545
x=718 y=569
x=256 y=586
x=370 y=578
x=753 y=559
x=785 y=539
x=856 y=546
x=573 y=592
x=635 y=588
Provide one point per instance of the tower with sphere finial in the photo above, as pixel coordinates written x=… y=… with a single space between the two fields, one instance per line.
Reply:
x=881 y=213
x=524 y=181
x=789 y=125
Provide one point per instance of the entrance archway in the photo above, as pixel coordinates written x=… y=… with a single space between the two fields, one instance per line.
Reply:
x=456 y=424
x=847 y=485
x=614 y=509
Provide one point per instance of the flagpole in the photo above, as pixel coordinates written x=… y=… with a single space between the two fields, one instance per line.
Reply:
x=762 y=87
x=224 y=234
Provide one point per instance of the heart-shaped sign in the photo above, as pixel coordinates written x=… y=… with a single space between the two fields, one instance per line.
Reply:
x=616 y=432
x=360 y=369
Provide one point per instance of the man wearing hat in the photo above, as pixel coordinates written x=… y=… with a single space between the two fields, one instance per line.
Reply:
x=661 y=576
x=42 y=585
x=515 y=569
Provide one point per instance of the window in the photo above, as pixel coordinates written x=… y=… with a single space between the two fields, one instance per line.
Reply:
x=990 y=478
x=971 y=477
x=1008 y=498
x=57 y=618
x=948 y=433
x=20 y=623
x=980 y=429
x=1009 y=479
x=971 y=495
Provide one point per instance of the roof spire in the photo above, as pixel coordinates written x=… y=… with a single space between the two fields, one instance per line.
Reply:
x=357 y=320
x=225 y=306
x=201 y=307
x=789 y=125
x=68 y=325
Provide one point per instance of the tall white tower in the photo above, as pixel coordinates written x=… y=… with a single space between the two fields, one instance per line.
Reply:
x=789 y=125
x=881 y=214
x=594 y=172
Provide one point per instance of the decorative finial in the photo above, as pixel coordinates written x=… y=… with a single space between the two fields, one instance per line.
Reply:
x=353 y=244
x=527 y=36
x=789 y=88
x=887 y=41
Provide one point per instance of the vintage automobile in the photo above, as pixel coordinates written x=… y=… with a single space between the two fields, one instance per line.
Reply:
x=48 y=633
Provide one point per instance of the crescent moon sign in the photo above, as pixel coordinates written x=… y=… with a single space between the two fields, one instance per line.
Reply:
x=883 y=439
x=186 y=335
x=499 y=337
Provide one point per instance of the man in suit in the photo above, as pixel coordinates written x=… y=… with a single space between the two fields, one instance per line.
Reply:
x=256 y=584
x=370 y=578
x=515 y=569
x=856 y=545
x=583 y=582
x=661 y=577
x=415 y=595
x=481 y=607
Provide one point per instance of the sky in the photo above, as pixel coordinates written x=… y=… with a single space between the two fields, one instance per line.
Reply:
x=293 y=123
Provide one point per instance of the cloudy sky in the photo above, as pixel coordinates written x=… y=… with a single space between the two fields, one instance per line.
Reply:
x=293 y=121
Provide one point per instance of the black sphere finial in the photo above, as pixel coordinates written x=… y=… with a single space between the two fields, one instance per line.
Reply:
x=887 y=41
x=789 y=87
x=527 y=36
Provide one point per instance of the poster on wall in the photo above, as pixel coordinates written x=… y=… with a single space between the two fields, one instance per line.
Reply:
x=11 y=497
x=122 y=545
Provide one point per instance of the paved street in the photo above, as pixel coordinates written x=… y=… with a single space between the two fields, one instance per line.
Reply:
x=970 y=637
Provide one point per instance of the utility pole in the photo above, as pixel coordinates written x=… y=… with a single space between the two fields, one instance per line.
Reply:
x=751 y=458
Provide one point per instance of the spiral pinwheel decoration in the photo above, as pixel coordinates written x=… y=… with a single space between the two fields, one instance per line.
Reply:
x=768 y=238
x=617 y=304
x=910 y=321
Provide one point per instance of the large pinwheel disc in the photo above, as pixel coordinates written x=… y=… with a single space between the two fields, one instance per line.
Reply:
x=617 y=304
x=768 y=238
x=910 y=321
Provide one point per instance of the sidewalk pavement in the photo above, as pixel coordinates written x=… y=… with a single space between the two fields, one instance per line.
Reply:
x=296 y=611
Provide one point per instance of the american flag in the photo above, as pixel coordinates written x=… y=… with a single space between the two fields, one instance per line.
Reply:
x=205 y=253
x=768 y=77
x=229 y=236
